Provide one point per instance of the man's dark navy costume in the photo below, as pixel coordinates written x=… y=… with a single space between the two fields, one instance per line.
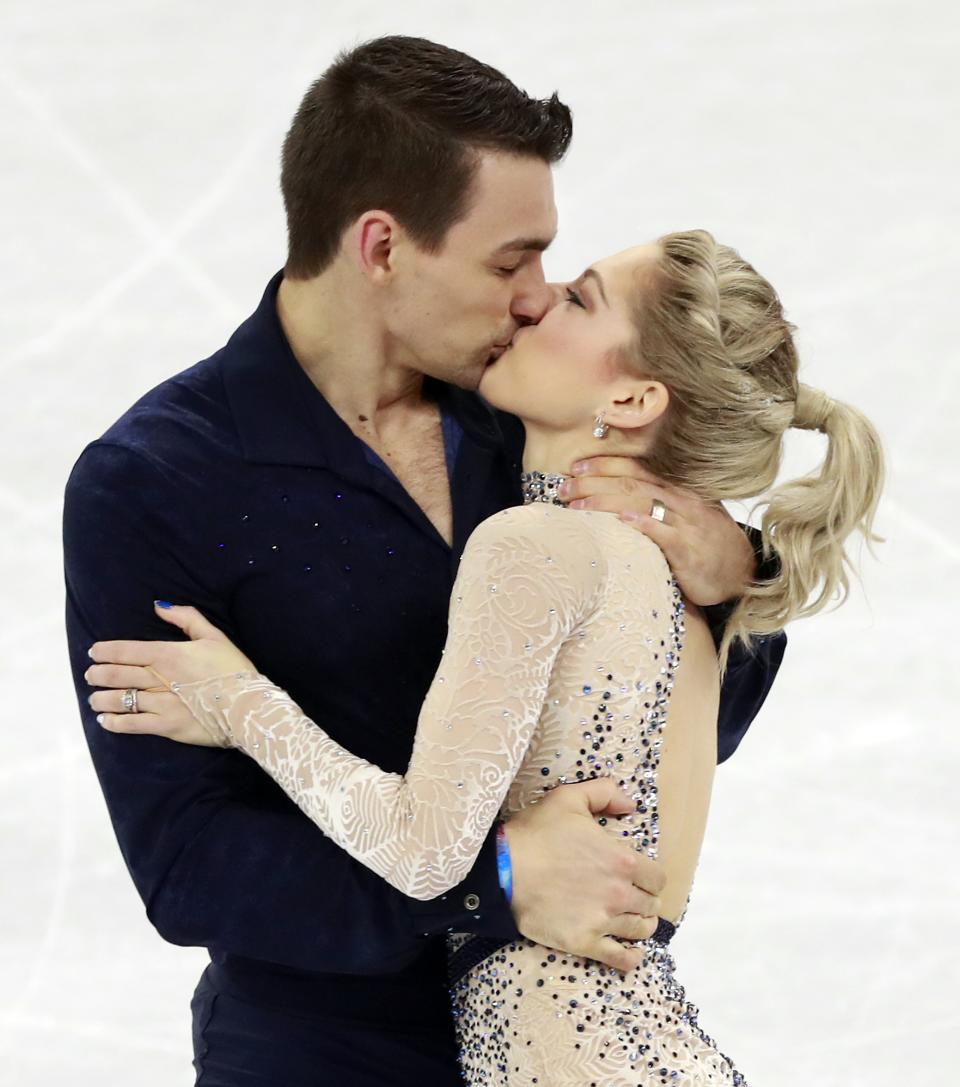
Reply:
x=236 y=488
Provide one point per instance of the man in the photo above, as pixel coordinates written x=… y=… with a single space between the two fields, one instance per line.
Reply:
x=310 y=488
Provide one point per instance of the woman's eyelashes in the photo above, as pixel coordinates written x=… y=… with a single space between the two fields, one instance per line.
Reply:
x=575 y=298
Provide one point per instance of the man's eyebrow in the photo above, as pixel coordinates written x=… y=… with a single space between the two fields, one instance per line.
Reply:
x=591 y=274
x=539 y=244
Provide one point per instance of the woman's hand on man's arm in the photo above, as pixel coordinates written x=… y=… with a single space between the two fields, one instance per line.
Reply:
x=153 y=668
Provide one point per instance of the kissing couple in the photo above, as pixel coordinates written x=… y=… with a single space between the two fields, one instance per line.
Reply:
x=469 y=524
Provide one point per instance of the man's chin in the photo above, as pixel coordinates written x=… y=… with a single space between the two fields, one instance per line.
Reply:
x=482 y=376
x=469 y=378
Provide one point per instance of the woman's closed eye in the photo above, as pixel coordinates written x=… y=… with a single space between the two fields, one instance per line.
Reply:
x=575 y=298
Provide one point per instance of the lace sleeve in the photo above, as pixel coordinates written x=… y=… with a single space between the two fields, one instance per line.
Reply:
x=527 y=579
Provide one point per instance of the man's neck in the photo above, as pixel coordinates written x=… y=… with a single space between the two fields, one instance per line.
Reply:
x=345 y=354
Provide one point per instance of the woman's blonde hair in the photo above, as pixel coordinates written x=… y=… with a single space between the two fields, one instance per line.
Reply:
x=713 y=331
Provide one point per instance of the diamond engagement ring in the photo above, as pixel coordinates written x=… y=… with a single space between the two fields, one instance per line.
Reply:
x=658 y=511
x=130 y=700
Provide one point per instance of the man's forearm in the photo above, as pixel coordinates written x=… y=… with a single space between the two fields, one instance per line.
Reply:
x=750 y=672
x=766 y=568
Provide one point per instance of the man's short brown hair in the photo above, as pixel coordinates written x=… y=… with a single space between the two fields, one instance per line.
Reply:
x=396 y=124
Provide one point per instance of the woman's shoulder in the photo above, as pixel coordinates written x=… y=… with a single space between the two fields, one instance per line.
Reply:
x=589 y=549
x=629 y=560
x=541 y=549
x=613 y=536
x=598 y=533
x=536 y=524
x=551 y=537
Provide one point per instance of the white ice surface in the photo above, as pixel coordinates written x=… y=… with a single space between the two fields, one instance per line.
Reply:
x=139 y=221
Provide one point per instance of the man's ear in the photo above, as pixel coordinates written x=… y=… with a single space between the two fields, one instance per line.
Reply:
x=373 y=238
x=639 y=405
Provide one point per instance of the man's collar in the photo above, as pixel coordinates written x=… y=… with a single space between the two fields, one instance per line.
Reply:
x=283 y=418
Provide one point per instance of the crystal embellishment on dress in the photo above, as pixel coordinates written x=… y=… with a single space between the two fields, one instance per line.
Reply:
x=541 y=487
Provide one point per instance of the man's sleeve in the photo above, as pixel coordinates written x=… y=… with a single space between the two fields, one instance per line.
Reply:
x=221 y=858
x=750 y=672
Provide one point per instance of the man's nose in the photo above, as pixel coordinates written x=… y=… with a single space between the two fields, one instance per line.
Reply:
x=535 y=300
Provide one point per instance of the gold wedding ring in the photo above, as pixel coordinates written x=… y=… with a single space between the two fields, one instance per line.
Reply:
x=658 y=511
x=129 y=700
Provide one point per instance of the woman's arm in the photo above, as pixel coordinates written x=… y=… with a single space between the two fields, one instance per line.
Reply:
x=525 y=583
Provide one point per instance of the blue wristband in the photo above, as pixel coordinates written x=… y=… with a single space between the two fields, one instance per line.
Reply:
x=504 y=868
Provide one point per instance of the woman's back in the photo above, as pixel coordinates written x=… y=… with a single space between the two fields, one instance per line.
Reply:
x=633 y=693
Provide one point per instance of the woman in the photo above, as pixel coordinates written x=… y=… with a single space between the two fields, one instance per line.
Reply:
x=571 y=653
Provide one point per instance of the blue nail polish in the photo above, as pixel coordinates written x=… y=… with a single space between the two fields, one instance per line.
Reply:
x=163 y=603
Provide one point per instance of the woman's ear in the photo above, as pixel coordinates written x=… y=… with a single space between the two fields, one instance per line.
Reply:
x=639 y=406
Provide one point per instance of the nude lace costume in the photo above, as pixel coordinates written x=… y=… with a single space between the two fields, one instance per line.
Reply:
x=565 y=629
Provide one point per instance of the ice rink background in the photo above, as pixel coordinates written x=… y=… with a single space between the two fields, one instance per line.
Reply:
x=139 y=220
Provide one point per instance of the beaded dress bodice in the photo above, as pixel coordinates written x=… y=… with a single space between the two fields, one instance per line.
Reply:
x=541 y=487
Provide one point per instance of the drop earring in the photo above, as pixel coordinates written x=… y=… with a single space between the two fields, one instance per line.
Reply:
x=600 y=428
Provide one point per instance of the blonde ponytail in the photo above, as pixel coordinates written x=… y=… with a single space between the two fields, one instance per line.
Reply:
x=712 y=329
x=812 y=409
x=807 y=521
